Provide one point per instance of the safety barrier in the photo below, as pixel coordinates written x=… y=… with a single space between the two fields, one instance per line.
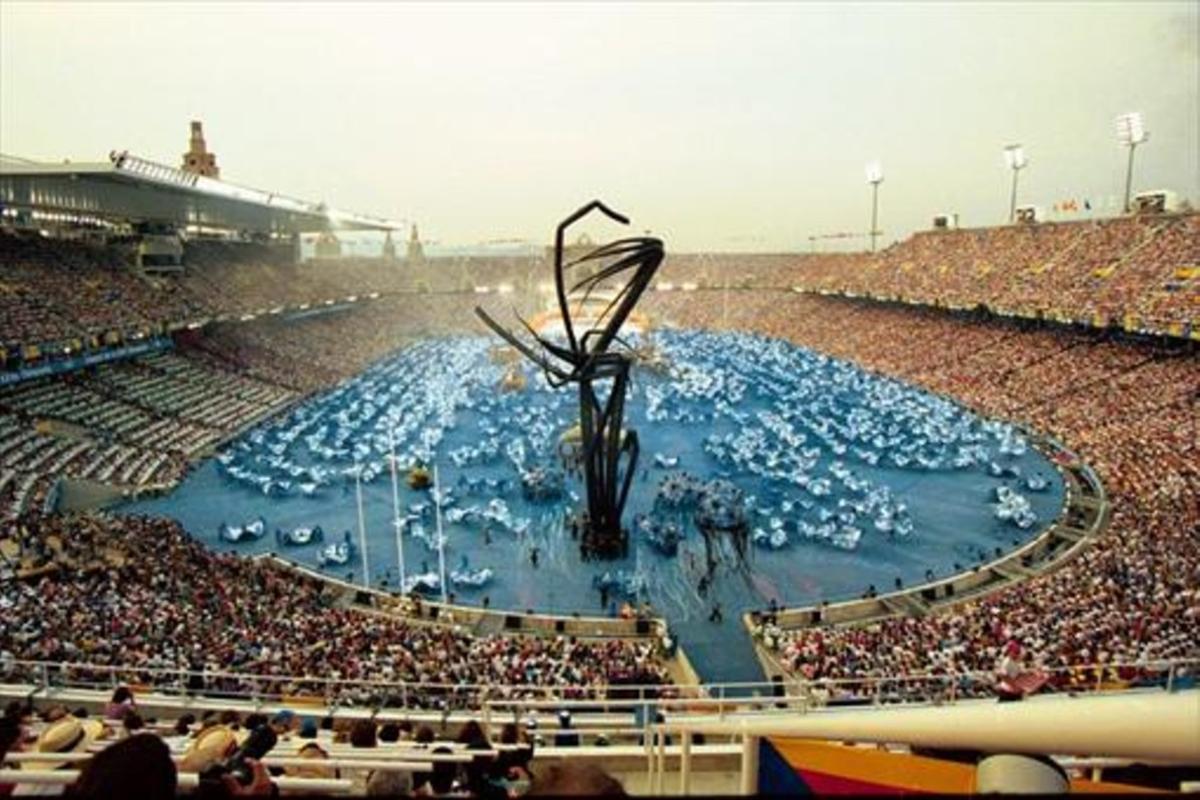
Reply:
x=496 y=704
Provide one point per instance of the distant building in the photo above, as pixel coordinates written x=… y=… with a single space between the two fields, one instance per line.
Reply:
x=197 y=159
x=415 y=251
x=389 y=248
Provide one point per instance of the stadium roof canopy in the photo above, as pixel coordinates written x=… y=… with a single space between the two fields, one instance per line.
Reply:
x=131 y=189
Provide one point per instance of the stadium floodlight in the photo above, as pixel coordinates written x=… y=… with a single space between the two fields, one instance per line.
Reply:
x=874 y=172
x=1014 y=157
x=1131 y=131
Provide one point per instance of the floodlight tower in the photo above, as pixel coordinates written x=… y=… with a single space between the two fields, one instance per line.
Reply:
x=874 y=177
x=1131 y=131
x=1014 y=157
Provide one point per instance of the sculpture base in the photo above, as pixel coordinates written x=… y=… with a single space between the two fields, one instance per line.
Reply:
x=602 y=543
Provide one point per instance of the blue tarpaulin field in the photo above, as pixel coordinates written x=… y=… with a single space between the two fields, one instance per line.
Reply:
x=845 y=479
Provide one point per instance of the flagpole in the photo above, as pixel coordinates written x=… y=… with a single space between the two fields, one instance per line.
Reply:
x=437 y=505
x=637 y=572
x=362 y=528
x=396 y=510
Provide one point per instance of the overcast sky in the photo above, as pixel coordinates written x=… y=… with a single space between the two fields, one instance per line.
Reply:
x=717 y=126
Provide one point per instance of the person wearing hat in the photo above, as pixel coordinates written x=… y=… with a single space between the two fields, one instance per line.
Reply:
x=211 y=746
x=284 y=723
x=66 y=736
x=308 y=728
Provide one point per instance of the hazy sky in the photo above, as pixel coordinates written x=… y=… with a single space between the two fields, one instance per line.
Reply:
x=717 y=126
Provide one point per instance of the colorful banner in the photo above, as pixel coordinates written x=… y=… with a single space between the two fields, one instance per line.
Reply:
x=798 y=767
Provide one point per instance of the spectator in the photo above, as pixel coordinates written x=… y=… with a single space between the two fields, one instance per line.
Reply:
x=575 y=779
x=363 y=734
x=389 y=783
x=181 y=732
x=311 y=751
x=131 y=723
x=566 y=737
x=308 y=729
x=67 y=735
x=284 y=723
x=441 y=782
x=139 y=766
x=211 y=746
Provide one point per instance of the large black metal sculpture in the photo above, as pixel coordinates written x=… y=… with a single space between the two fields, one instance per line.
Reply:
x=609 y=451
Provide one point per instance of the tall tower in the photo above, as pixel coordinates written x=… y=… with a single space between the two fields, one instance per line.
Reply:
x=415 y=251
x=197 y=159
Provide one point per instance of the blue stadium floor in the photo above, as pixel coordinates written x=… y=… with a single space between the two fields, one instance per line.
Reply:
x=858 y=480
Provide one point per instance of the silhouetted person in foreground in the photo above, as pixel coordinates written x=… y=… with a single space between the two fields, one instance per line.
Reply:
x=139 y=766
x=575 y=779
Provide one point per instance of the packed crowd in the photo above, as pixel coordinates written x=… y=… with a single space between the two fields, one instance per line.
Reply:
x=153 y=607
x=319 y=350
x=1148 y=268
x=121 y=753
x=58 y=290
x=77 y=293
x=1130 y=409
x=1099 y=271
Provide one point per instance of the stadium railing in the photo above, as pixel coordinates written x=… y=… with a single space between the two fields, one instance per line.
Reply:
x=184 y=688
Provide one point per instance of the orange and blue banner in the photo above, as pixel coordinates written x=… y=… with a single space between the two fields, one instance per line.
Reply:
x=806 y=767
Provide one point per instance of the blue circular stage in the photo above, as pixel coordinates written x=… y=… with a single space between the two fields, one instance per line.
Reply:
x=845 y=480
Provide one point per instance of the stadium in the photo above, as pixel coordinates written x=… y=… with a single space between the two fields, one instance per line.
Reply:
x=294 y=500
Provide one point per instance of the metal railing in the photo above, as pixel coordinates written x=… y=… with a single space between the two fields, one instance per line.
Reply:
x=167 y=682
x=783 y=694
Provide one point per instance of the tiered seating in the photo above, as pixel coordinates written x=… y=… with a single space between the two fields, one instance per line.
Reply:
x=184 y=388
x=131 y=425
x=32 y=461
x=1135 y=269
